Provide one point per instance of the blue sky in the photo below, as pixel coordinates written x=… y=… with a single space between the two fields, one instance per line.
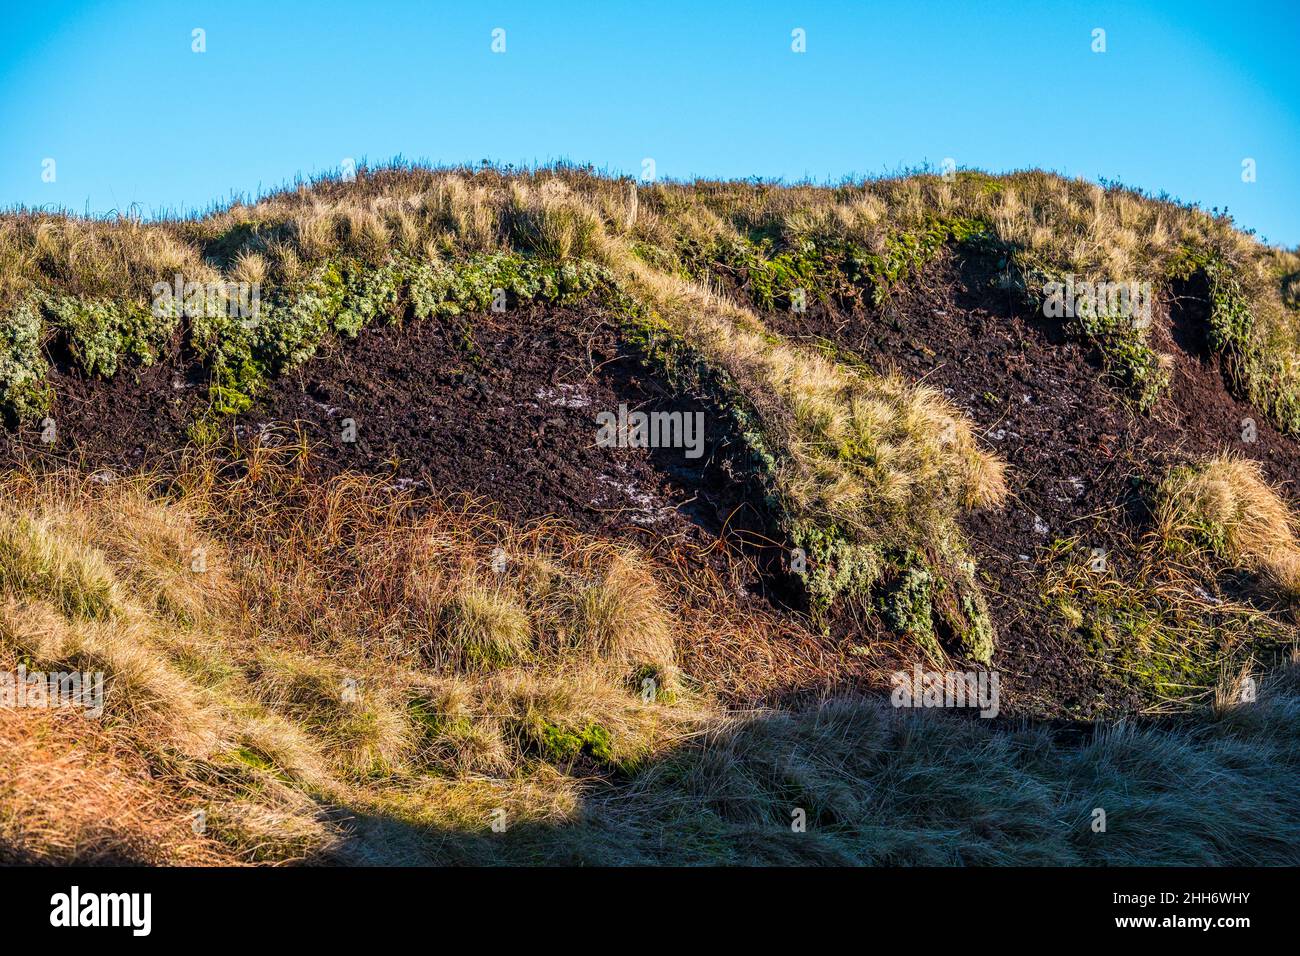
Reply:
x=113 y=93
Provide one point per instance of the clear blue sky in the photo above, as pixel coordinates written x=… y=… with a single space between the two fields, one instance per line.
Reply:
x=1184 y=92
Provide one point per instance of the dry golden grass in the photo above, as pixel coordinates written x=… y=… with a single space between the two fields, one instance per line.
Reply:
x=291 y=672
x=1073 y=224
x=481 y=626
x=1225 y=503
x=302 y=718
x=71 y=792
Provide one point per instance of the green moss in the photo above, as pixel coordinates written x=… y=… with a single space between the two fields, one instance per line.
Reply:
x=837 y=566
x=1149 y=650
x=906 y=253
x=773 y=281
x=564 y=745
x=974 y=627
x=449 y=289
x=926 y=592
x=371 y=294
x=1127 y=357
x=909 y=608
x=289 y=329
x=424 y=714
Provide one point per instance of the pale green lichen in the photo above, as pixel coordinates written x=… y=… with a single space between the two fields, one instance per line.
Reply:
x=102 y=334
x=22 y=363
x=836 y=565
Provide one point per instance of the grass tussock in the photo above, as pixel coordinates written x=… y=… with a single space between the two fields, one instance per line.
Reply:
x=482 y=627
x=1225 y=505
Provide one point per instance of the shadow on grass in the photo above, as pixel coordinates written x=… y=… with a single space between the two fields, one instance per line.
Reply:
x=872 y=786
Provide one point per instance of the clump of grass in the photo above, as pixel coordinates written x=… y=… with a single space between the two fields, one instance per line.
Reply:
x=1160 y=625
x=621 y=618
x=35 y=559
x=582 y=720
x=482 y=627
x=544 y=223
x=1225 y=505
x=171 y=567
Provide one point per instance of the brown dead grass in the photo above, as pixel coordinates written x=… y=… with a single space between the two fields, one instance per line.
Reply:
x=72 y=793
x=293 y=673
